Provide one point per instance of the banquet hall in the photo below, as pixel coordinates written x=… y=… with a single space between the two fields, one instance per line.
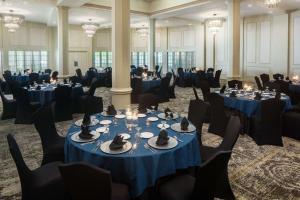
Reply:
x=149 y=99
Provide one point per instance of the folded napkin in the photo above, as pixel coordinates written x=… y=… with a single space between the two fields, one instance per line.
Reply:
x=85 y=133
x=257 y=96
x=233 y=94
x=117 y=143
x=184 y=124
x=86 y=119
x=223 y=89
x=162 y=138
x=167 y=111
x=111 y=110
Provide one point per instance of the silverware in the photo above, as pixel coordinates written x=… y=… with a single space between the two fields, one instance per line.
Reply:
x=178 y=139
x=91 y=142
x=134 y=146
x=99 y=143
x=149 y=148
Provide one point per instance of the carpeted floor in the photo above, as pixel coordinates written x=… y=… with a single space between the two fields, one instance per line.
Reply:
x=265 y=172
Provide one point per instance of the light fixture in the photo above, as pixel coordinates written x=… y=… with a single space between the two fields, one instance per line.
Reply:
x=143 y=32
x=272 y=3
x=11 y=21
x=90 y=28
x=214 y=24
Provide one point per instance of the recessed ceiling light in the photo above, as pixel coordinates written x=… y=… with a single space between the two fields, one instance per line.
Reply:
x=250 y=5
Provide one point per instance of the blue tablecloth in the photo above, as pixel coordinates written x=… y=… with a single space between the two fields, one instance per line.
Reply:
x=149 y=84
x=24 y=79
x=141 y=169
x=46 y=95
x=247 y=106
x=294 y=88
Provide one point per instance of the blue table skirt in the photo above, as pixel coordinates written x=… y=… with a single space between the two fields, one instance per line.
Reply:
x=248 y=106
x=46 y=95
x=294 y=88
x=24 y=79
x=141 y=169
x=149 y=84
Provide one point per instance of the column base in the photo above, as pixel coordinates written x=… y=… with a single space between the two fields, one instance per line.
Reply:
x=120 y=97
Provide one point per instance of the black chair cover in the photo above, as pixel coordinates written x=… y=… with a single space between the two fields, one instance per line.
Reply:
x=9 y=107
x=233 y=83
x=62 y=107
x=258 y=83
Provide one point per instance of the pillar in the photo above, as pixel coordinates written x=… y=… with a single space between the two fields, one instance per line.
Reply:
x=151 y=44
x=121 y=89
x=234 y=38
x=63 y=39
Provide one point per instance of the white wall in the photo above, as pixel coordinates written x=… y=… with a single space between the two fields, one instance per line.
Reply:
x=295 y=43
x=265 y=45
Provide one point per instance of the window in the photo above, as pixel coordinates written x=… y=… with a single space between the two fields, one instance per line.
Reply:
x=158 y=58
x=102 y=59
x=184 y=59
x=18 y=61
x=139 y=58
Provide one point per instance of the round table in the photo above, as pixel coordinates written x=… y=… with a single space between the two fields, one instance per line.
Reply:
x=249 y=106
x=46 y=94
x=24 y=79
x=149 y=84
x=142 y=168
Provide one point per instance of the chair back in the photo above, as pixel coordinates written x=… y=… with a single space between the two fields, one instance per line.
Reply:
x=137 y=88
x=210 y=70
x=278 y=76
x=146 y=101
x=264 y=78
x=139 y=71
x=93 y=87
x=209 y=174
x=272 y=86
x=218 y=75
x=195 y=93
x=84 y=181
x=258 y=83
x=164 y=86
x=3 y=98
x=23 y=171
x=180 y=72
x=62 y=110
x=218 y=118
x=231 y=133
x=33 y=77
x=48 y=71
x=233 y=83
x=79 y=73
x=205 y=88
x=284 y=86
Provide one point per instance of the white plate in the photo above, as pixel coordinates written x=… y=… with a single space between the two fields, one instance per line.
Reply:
x=163 y=116
x=171 y=143
x=177 y=127
x=104 y=114
x=141 y=115
x=152 y=119
x=105 y=148
x=101 y=129
x=120 y=116
x=163 y=127
x=93 y=122
x=105 y=122
x=146 y=135
x=75 y=137
x=125 y=136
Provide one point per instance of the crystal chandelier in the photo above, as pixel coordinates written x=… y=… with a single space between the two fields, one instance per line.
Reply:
x=12 y=22
x=214 y=25
x=272 y=3
x=90 y=28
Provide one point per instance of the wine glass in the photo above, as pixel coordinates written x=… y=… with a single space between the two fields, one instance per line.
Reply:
x=163 y=124
x=153 y=109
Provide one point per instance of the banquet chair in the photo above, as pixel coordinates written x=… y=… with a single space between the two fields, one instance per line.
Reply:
x=25 y=108
x=172 y=88
x=84 y=181
x=197 y=112
x=91 y=104
x=218 y=118
x=267 y=127
x=272 y=86
x=284 y=86
x=209 y=182
x=234 y=83
x=92 y=88
x=216 y=83
x=205 y=88
x=278 y=76
x=33 y=77
x=180 y=80
x=230 y=137
x=62 y=106
x=139 y=71
x=210 y=70
x=258 y=83
x=44 y=182
x=48 y=71
x=137 y=89
x=163 y=90
x=147 y=100
x=4 y=87
x=52 y=143
x=264 y=78
x=291 y=124
x=9 y=107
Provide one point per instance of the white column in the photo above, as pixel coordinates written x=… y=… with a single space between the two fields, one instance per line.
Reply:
x=234 y=38
x=151 y=44
x=121 y=89
x=63 y=39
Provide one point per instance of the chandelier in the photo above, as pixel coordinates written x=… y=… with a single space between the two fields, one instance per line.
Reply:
x=143 y=32
x=12 y=22
x=214 y=25
x=272 y=3
x=90 y=28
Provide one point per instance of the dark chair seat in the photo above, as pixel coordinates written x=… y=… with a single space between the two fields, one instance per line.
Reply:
x=178 y=188
x=119 y=191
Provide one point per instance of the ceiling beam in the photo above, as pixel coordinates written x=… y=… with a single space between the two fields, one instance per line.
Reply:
x=71 y=3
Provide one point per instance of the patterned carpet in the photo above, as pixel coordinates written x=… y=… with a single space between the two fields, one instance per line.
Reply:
x=265 y=172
